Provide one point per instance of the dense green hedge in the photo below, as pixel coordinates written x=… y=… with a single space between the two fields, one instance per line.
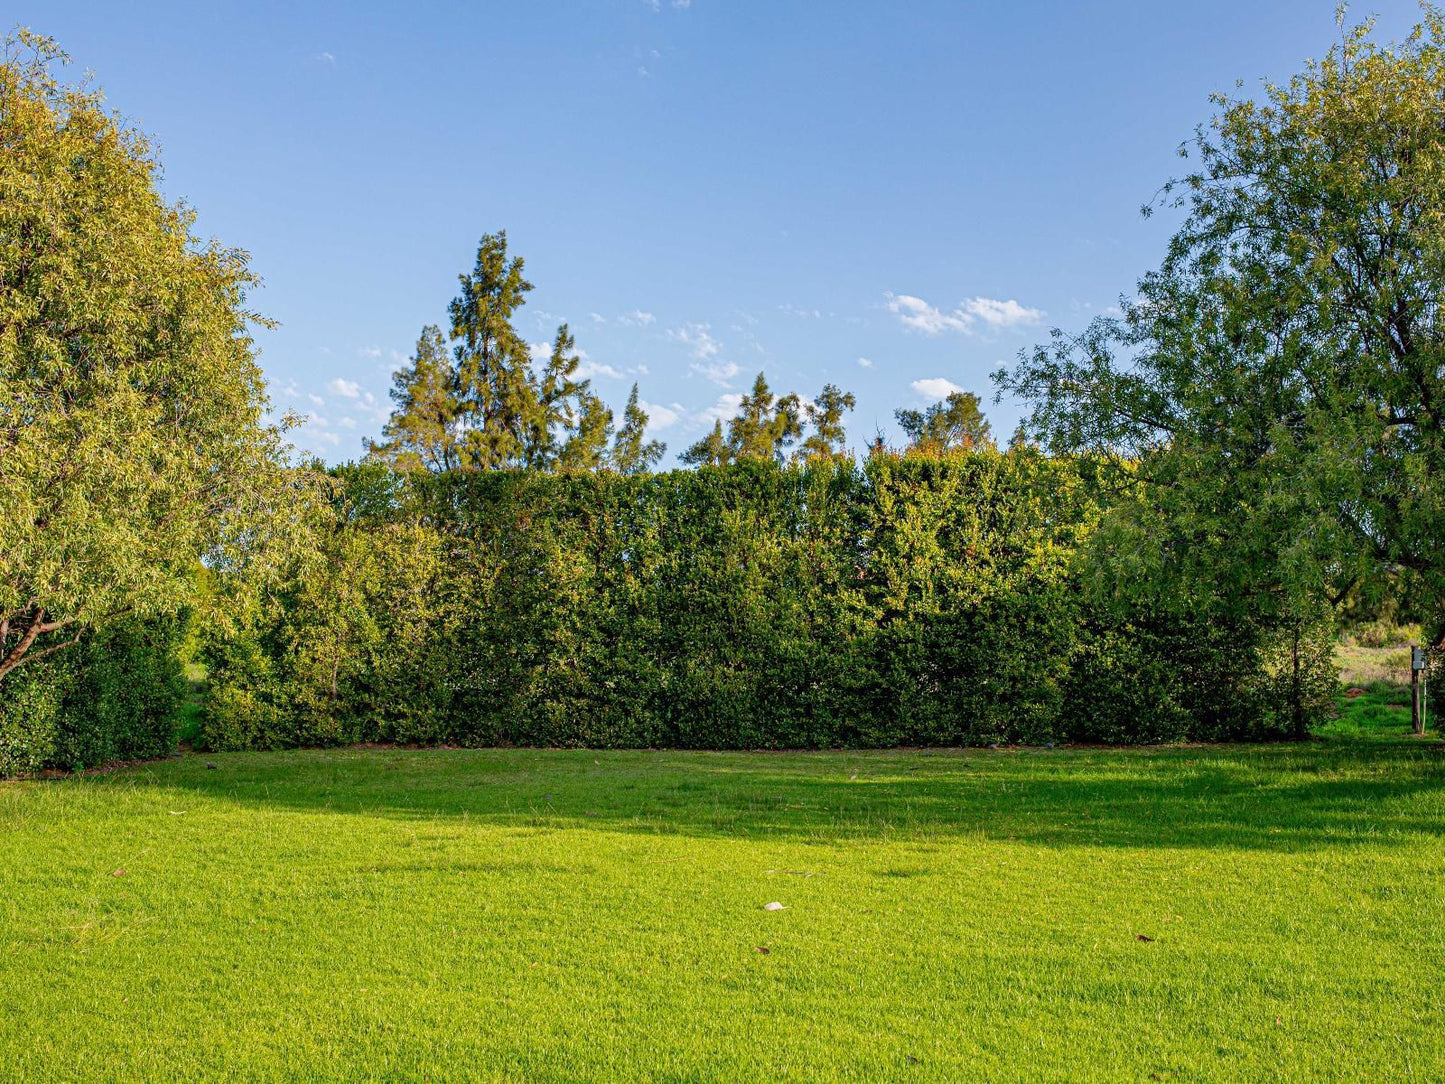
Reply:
x=910 y=600
x=117 y=695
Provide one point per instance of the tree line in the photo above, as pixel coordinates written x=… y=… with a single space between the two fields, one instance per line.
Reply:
x=476 y=399
x=1272 y=399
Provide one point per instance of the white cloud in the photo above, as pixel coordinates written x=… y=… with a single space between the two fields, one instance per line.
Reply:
x=589 y=369
x=935 y=387
x=347 y=423
x=864 y=363
x=597 y=318
x=372 y=352
x=539 y=351
x=918 y=315
x=636 y=318
x=659 y=416
x=720 y=373
x=696 y=338
x=1001 y=313
x=316 y=400
x=324 y=57
x=348 y=388
x=724 y=409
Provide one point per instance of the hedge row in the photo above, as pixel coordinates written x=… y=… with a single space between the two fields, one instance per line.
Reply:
x=117 y=695
x=910 y=600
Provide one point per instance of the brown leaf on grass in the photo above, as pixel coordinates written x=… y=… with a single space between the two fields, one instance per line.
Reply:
x=1142 y=937
x=762 y=948
x=119 y=873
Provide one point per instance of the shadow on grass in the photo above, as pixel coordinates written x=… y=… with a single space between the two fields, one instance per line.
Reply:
x=1269 y=797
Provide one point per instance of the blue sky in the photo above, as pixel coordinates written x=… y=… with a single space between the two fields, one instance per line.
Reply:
x=894 y=197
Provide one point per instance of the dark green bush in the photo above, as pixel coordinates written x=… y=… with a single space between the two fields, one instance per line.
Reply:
x=117 y=695
x=912 y=600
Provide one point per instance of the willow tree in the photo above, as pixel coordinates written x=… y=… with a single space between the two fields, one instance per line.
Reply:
x=1278 y=384
x=133 y=442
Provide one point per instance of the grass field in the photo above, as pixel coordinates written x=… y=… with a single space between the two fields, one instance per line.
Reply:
x=1221 y=913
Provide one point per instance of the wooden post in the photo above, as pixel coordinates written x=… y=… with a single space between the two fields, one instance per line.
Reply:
x=1416 y=722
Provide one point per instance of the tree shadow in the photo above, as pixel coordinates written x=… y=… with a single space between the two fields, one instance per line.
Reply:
x=1267 y=797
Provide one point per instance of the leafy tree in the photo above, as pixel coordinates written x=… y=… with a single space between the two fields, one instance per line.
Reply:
x=955 y=422
x=632 y=452
x=132 y=435
x=825 y=415
x=1277 y=386
x=712 y=450
x=496 y=395
x=424 y=430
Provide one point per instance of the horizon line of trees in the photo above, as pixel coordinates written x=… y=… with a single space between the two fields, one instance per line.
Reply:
x=475 y=398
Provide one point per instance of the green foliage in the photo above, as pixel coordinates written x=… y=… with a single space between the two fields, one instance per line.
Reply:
x=1276 y=385
x=825 y=415
x=632 y=452
x=766 y=426
x=422 y=433
x=488 y=407
x=132 y=439
x=929 y=599
x=956 y=422
x=118 y=695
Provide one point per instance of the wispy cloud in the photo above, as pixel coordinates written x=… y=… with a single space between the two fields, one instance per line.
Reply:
x=726 y=407
x=935 y=387
x=372 y=352
x=660 y=416
x=864 y=363
x=591 y=369
x=350 y=389
x=637 y=318
x=918 y=315
x=697 y=340
x=721 y=373
x=326 y=58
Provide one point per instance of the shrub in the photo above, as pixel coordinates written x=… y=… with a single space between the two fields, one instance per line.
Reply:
x=912 y=600
x=115 y=696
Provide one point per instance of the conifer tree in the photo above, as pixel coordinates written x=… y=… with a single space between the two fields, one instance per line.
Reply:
x=586 y=447
x=557 y=392
x=955 y=422
x=498 y=400
x=422 y=433
x=632 y=452
x=711 y=451
x=825 y=415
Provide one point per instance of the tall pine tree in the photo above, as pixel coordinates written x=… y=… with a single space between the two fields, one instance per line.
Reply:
x=497 y=397
x=423 y=432
x=632 y=452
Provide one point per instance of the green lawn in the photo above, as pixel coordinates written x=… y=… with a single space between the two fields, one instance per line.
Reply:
x=1222 y=913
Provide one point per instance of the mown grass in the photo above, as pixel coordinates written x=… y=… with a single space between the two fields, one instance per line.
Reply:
x=1190 y=913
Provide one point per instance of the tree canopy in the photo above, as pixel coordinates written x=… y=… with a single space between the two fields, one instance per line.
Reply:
x=766 y=426
x=133 y=432
x=489 y=406
x=955 y=422
x=1277 y=385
